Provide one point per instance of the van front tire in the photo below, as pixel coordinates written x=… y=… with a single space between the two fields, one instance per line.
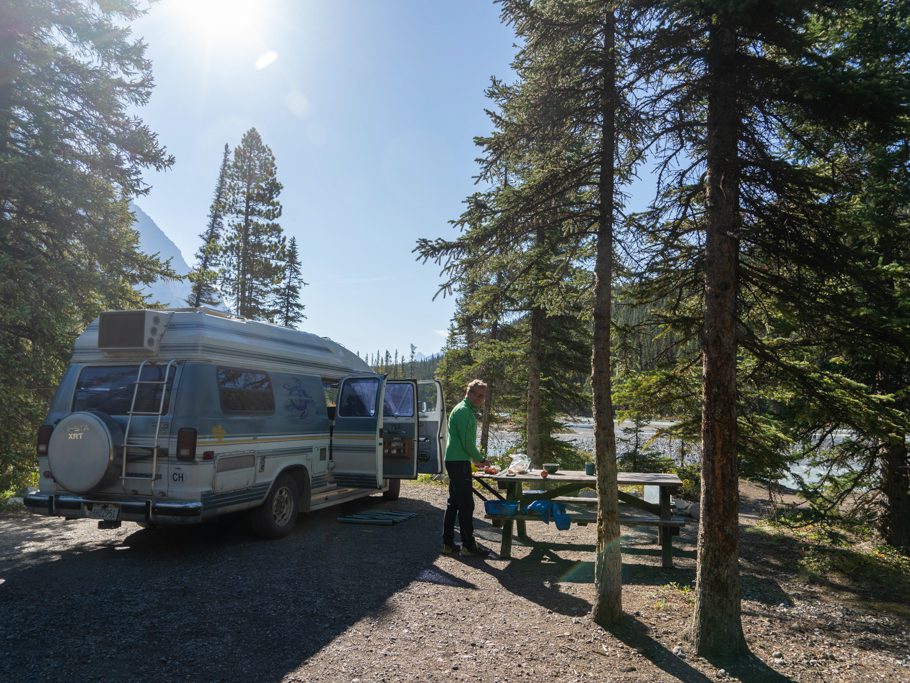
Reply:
x=278 y=515
x=394 y=490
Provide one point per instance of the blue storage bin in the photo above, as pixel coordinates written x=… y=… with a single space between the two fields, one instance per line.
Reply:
x=501 y=508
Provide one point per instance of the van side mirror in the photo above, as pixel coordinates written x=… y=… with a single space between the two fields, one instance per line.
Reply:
x=331 y=411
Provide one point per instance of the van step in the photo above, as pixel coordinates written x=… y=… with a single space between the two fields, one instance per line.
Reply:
x=337 y=496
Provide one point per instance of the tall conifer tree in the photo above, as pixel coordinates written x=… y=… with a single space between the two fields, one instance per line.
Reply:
x=252 y=265
x=72 y=152
x=205 y=275
x=557 y=133
x=763 y=75
x=573 y=106
x=845 y=364
x=288 y=304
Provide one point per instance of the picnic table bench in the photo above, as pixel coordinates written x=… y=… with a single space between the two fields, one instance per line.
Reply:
x=560 y=488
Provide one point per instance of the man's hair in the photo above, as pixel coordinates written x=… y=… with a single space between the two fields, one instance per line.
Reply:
x=476 y=384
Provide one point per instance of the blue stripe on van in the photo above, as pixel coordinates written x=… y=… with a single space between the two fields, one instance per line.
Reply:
x=211 y=500
x=360 y=481
x=347 y=448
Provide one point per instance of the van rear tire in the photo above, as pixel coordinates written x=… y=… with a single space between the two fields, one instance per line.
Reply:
x=278 y=515
x=394 y=490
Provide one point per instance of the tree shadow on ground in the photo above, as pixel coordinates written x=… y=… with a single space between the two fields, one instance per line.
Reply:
x=764 y=590
x=749 y=668
x=537 y=578
x=636 y=635
x=143 y=604
x=654 y=551
x=582 y=571
x=846 y=571
x=537 y=575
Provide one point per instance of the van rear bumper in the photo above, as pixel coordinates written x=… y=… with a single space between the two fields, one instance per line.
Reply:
x=132 y=510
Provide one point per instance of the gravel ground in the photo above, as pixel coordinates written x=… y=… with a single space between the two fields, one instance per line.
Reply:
x=343 y=602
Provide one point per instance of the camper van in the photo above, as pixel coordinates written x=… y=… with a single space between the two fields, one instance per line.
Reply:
x=180 y=416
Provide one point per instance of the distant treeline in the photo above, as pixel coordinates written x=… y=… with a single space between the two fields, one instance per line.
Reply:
x=398 y=366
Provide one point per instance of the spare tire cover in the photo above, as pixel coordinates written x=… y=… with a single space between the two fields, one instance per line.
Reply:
x=83 y=449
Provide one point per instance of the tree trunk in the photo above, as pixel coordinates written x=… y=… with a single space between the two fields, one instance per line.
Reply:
x=9 y=39
x=490 y=377
x=716 y=626
x=895 y=521
x=485 y=420
x=607 y=571
x=532 y=428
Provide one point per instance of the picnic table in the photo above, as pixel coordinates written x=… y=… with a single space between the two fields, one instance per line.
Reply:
x=564 y=487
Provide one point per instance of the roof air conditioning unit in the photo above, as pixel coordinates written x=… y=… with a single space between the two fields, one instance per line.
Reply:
x=132 y=330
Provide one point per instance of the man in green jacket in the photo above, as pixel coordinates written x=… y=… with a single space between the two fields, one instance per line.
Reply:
x=460 y=451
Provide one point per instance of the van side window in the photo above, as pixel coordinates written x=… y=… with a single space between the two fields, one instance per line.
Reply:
x=245 y=391
x=398 y=400
x=110 y=389
x=426 y=397
x=358 y=398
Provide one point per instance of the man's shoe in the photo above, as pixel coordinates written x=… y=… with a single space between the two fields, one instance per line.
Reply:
x=475 y=551
x=450 y=548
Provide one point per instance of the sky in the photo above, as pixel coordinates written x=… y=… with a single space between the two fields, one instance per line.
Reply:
x=370 y=108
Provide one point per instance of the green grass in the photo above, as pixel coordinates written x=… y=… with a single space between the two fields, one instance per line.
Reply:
x=429 y=479
x=850 y=558
x=7 y=502
x=671 y=593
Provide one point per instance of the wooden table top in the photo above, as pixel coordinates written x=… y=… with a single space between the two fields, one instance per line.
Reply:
x=577 y=476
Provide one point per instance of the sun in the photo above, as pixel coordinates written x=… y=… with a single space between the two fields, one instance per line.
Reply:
x=219 y=21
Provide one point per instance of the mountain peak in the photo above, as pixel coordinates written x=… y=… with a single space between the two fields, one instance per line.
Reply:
x=153 y=240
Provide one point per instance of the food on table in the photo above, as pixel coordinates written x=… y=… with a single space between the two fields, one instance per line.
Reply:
x=544 y=474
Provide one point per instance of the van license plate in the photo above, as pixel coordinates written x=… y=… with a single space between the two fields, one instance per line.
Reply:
x=108 y=512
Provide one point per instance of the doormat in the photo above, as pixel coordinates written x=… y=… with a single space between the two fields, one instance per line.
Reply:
x=380 y=518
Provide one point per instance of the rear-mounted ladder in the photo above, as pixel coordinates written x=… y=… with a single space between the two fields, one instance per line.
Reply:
x=153 y=475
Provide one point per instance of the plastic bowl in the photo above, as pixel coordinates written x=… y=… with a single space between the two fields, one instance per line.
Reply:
x=551 y=467
x=501 y=508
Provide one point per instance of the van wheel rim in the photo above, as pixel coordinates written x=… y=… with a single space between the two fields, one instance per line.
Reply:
x=282 y=506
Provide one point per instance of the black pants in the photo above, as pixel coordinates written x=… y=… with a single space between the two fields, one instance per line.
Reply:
x=461 y=503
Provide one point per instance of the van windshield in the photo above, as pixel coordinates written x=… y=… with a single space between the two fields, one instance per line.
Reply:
x=109 y=389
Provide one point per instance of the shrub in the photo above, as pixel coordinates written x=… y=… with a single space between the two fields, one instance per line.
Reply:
x=691 y=481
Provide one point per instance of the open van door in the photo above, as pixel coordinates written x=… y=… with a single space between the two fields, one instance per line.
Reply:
x=432 y=430
x=399 y=429
x=356 y=441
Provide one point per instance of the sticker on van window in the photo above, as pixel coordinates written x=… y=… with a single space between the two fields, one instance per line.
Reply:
x=299 y=400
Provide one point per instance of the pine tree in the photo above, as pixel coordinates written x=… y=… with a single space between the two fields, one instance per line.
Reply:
x=72 y=152
x=289 y=308
x=556 y=135
x=574 y=114
x=205 y=275
x=847 y=364
x=760 y=213
x=252 y=265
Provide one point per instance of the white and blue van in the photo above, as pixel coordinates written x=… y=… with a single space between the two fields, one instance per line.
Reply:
x=179 y=416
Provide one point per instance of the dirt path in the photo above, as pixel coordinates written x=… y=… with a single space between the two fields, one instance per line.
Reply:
x=340 y=602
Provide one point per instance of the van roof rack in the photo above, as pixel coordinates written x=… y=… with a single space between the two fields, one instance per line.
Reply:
x=206 y=310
